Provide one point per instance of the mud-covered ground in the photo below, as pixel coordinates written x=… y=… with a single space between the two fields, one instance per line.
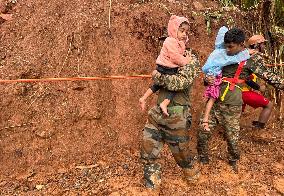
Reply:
x=83 y=138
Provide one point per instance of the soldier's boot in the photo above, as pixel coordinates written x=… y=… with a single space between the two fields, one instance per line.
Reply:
x=258 y=125
x=234 y=165
x=152 y=175
x=204 y=159
x=191 y=175
x=202 y=147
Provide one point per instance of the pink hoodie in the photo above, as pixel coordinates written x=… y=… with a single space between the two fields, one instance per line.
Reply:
x=172 y=51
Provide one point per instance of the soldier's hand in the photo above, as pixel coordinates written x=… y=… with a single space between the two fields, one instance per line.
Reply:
x=154 y=73
x=262 y=88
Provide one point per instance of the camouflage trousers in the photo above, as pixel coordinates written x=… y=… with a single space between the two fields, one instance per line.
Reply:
x=229 y=117
x=172 y=130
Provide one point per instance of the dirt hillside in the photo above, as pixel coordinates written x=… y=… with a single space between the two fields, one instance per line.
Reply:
x=47 y=130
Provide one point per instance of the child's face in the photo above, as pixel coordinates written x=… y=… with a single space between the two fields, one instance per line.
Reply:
x=183 y=32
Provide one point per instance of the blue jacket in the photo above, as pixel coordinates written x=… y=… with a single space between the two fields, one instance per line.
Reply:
x=219 y=58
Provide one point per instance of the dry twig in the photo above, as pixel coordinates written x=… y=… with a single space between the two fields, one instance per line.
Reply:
x=109 y=12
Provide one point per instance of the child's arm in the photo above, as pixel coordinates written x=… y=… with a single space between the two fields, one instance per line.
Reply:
x=147 y=94
x=219 y=42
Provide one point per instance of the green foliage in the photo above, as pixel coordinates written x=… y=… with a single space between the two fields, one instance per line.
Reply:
x=279 y=12
x=226 y=3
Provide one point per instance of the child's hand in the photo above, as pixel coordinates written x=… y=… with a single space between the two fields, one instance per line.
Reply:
x=142 y=103
x=209 y=79
x=188 y=56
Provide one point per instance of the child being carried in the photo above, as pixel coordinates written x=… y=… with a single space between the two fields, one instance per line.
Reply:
x=172 y=56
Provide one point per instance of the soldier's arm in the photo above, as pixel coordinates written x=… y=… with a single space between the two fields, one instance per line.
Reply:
x=182 y=79
x=257 y=66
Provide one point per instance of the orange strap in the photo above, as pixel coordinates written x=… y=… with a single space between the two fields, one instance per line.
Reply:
x=274 y=65
x=76 y=79
x=236 y=80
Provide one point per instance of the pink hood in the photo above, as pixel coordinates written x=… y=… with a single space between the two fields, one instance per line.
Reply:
x=173 y=25
x=173 y=49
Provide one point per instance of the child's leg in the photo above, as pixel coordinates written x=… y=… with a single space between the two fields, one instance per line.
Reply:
x=154 y=88
x=208 y=108
x=166 y=102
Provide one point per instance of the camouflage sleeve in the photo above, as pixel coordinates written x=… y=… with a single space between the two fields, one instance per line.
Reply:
x=183 y=79
x=256 y=65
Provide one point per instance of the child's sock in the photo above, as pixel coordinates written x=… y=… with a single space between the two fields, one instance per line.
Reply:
x=164 y=106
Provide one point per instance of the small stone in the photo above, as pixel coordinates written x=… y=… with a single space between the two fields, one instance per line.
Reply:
x=101 y=180
x=96 y=25
x=85 y=172
x=125 y=166
x=39 y=186
x=77 y=185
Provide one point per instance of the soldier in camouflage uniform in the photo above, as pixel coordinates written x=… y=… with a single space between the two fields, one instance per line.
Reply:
x=173 y=129
x=228 y=111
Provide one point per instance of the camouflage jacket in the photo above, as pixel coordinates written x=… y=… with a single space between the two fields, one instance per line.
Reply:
x=258 y=67
x=254 y=65
x=180 y=83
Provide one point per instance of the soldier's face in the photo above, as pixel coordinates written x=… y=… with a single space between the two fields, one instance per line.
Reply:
x=262 y=47
x=234 y=48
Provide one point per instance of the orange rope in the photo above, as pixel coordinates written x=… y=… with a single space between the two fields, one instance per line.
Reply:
x=76 y=79
x=88 y=78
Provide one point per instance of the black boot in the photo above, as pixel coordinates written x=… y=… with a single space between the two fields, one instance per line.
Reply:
x=152 y=175
x=234 y=165
x=258 y=125
x=204 y=160
x=202 y=146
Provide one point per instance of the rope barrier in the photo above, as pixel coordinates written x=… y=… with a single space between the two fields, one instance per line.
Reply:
x=75 y=79
x=88 y=78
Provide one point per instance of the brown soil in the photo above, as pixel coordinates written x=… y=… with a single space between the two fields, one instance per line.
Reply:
x=47 y=129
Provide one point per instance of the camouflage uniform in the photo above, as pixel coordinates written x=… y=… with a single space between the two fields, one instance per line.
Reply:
x=228 y=112
x=172 y=130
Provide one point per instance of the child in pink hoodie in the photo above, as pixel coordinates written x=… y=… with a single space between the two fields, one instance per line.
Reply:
x=172 y=56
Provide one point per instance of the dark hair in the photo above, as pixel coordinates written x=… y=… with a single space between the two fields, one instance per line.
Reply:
x=234 y=35
x=184 y=22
